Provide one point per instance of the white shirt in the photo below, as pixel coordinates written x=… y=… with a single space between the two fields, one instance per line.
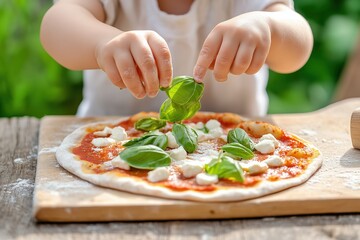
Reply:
x=184 y=34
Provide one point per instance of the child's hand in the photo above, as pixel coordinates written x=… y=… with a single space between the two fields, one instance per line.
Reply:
x=137 y=60
x=239 y=45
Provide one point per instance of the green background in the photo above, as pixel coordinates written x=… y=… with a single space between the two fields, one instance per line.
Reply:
x=31 y=83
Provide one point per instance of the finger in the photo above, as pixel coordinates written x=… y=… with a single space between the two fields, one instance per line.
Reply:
x=258 y=60
x=112 y=73
x=212 y=65
x=207 y=55
x=128 y=73
x=144 y=59
x=243 y=59
x=225 y=58
x=162 y=57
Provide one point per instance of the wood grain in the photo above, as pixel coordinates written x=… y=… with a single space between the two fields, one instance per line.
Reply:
x=355 y=128
x=19 y=140
x=61 y=196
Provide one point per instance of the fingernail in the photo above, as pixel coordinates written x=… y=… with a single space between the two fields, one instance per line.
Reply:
x=165 y=83
x=199 y=73
x=140 y=95
x=221 y=78
x=152 y=95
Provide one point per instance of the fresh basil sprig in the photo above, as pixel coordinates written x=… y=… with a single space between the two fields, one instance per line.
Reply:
x=225 y=167
x=146 y=157
x=185 y=90
x=192 y=109
x=149 y=124
x=149 y=139
x=172 y=112
x=184 y=99
x=237 y=150
x=185 y=136
x=240 y=136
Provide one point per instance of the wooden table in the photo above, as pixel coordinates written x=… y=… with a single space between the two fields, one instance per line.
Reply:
x=18 y=156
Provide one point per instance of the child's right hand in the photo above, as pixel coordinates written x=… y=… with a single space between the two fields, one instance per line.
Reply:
x=137 y=60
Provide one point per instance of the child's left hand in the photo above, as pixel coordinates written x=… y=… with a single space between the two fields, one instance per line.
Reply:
x=239 y=45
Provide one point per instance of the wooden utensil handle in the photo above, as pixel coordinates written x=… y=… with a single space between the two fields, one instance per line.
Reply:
x=355 y=128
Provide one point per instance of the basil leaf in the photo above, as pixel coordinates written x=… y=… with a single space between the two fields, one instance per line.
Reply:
x=175 y=113
x=185 y=90
x=185 y=136
x=145 y=157
x=183 y=102
x=238 y=150
x=240 y=136
x=174 y=81
x=172 y=112
x=149 y=139
x=192 y=110
x=149 y=124
x=225 y=167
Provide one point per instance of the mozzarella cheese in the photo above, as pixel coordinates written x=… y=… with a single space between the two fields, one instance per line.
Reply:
x=107 y=166
x=118 y=133
x=199 y=125
x=265 y=146
x=202 y=136
x=102 y=142
x=257 y=167
x=191 y=169
x=157 y=132
x=213 y=133
x=274 y=161
x=244 y=165
x=106 y=131
x=158 y=174
x=271 y=137
x=212 y=124
x=171 y=140
x=206 y=179
x=224 y=137
x=216 y=132
x=178 y=153
x=119 y=163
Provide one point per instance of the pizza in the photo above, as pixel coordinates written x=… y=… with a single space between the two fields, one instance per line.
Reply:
x=209 y=157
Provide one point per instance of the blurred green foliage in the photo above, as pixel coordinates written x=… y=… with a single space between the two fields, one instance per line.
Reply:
x=32 y=83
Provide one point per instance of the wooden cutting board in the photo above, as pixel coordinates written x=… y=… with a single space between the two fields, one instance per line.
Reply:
x=62 y=197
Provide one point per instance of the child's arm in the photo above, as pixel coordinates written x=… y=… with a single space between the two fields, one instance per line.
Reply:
x=74 y=33
x=278 y=36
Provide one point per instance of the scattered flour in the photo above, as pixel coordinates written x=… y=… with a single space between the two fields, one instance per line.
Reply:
x=65 y=186
x=314 y=180
x=19 y=184
x=307 y=132
x=31 y=156
x=48 y=150
x=19 y=160
x=33 y=153
x=334 y=141
x=351 y=179
x=21 y=188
